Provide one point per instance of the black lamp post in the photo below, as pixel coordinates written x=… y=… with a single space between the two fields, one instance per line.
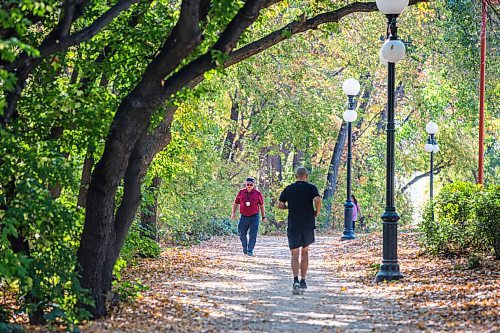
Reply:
x=351 y=88
x=431 y=147
x=392 y=52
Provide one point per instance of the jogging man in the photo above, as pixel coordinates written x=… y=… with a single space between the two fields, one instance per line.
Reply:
x=298 y=198
x=250 y=201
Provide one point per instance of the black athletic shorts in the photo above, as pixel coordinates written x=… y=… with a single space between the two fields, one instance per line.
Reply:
x=298 y=239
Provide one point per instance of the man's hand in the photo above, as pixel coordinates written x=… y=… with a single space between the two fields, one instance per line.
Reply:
x=316 y=212
x=233 y=217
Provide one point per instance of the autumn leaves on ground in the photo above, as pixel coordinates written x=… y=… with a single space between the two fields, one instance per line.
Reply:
x=213 y=287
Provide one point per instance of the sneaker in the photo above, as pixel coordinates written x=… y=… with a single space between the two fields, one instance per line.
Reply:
x=296 y=288
x=250 y=253
x=303 y=284
x=245 y=251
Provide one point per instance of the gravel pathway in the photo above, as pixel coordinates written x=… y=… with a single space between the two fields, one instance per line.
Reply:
x=253 y=294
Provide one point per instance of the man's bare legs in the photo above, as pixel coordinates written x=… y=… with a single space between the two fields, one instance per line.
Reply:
x=295 y=261
x=304 y=262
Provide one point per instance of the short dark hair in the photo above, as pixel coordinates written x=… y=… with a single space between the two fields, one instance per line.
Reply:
x=301 y=172
x=250 y=180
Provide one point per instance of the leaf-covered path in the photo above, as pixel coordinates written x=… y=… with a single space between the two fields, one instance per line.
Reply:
x=213 y=287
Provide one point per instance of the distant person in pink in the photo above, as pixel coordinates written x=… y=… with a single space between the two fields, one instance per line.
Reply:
x=356 y=212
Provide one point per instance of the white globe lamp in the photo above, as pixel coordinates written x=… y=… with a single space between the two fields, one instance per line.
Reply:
x=394 y=7
x=350 y=116
x=393 y=50
x=382 y=59
x=351 y=87
x=431 y=127
x=428 y=147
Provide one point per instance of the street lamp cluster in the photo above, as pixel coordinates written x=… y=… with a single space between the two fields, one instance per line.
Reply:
x=391 y=52
x=351 y=88
x=431 y=147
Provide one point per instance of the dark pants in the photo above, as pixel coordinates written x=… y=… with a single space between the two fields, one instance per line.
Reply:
x=248 y=223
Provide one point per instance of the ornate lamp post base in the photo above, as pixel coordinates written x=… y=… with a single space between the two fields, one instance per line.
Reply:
x=348 y=230
x=389 y=270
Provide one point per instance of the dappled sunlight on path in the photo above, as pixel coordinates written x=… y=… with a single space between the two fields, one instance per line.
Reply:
x=214 y=287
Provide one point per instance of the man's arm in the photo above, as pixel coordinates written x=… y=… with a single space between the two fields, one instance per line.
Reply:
x=233 y=211
x=282 y=205
x=262 y=211
x=317 y=204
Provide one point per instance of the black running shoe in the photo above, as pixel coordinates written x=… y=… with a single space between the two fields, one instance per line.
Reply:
x=296 y=288
x=303 y=284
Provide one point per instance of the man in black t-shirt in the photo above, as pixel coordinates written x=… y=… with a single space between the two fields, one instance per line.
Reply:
x=298 y=198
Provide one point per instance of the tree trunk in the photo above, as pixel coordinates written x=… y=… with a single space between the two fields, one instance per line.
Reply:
x=127 y=210
x=98 y=233
x=333 y=171
x=264 y=181
x=149 y=214
x=228 y=149
x=297 y=159
x=88 y=164
x=140 y=160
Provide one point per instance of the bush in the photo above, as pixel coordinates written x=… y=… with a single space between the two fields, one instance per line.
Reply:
x=45 y=279
x=466 y=221
x=137 y=244
x=188 y=233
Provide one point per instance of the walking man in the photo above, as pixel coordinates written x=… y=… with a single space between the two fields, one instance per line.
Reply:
x=250 y=201
x=298 y=198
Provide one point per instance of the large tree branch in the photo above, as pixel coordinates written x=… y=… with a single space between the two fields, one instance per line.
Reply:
x=437 y=169
x=195 y=69
x=204 y=63
x=59 y=41
x=245 y=17
x=183 y=39
x=299 y=26
x=160 y=138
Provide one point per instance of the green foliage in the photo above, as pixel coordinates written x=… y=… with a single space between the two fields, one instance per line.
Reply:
x=129 y=290
x=196 y=214
x=466 y=221
x=138 y=245
x=46 y=279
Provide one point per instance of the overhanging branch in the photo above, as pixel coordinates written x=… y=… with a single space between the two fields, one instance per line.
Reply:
x=437 y=169
x=299 y=26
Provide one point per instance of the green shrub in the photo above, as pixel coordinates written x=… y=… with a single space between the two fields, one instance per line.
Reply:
x=189 y=233
x=128 y=291
x=139 y=245
x=466 y=221
x=44 y=280
x=487 y=211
